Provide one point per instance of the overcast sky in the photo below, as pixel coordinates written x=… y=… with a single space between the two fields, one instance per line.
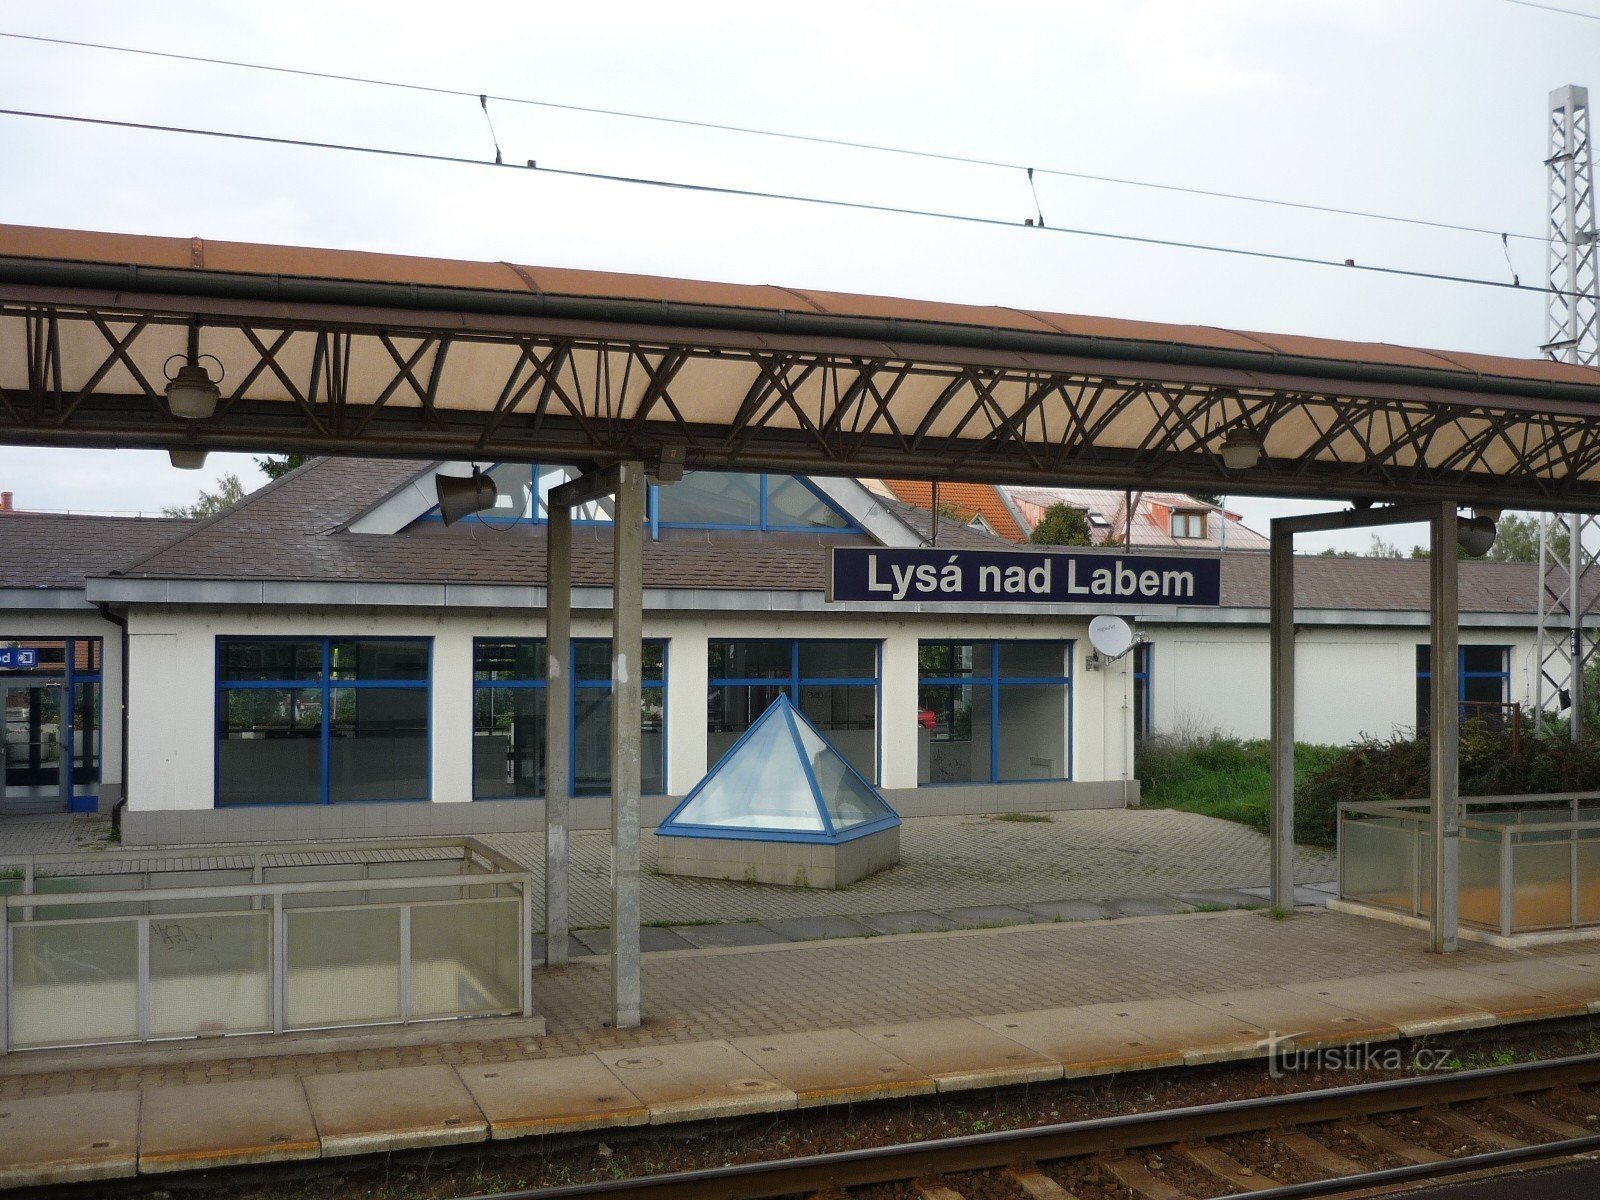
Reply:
x=1426 y=108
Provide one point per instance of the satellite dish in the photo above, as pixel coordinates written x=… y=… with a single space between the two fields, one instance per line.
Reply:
x=1112 y=637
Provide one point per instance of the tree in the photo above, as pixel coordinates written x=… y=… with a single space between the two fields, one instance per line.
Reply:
x=1062 y=525
x=1383 y=549
x=1517 y=540
x=1207 y=498
x=277 y=466
x=229 y=492
x=1330 y=552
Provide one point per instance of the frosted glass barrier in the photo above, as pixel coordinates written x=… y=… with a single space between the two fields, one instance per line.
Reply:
x=77 y=884
x=1424 y=869
x=344 y=966
x=1480 y=879
x=1542 y=875
x=413 y=870
x=184 y=879
x=1378 y=862
x=849 y=801
x=1589 y=878
x=74 y=982
x=763 y=787
x=464 y=958
x=209 y=975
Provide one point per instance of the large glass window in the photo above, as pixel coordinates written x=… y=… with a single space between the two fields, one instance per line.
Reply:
x=834 y=682
x=1144 y=661
x=700 y=500
x=509 y=717
x=1485 y=683
x=993 y=712
x=50 y=691
x=322 y=720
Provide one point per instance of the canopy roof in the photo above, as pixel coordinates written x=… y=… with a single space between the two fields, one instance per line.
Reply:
x=345 y=352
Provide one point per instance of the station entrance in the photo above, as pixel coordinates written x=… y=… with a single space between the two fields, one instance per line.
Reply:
x=51 y=744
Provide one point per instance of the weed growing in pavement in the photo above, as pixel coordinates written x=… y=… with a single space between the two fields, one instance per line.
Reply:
x=1022 y=818
x=1279 y=914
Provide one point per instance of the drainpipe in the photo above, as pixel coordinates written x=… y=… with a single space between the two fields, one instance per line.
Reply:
x=122 y=624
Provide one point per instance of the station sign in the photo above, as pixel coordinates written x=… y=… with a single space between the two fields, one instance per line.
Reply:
x=928 y=574
x=16 y=658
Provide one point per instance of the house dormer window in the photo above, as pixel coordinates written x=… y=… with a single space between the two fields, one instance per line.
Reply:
x=1188 y=524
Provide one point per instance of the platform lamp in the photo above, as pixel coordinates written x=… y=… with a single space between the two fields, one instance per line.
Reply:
x=192 y=395
x=1240 y=450
x=460 y=497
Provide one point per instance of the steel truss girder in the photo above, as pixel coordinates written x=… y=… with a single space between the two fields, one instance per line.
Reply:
x=830 y=411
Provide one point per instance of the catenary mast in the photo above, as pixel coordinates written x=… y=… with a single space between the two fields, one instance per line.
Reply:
x=1572 y=307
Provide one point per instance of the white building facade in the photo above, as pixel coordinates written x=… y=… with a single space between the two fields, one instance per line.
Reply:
x=326 y=659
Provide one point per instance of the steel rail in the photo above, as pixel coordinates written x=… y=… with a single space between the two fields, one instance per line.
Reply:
x=1074 y=1139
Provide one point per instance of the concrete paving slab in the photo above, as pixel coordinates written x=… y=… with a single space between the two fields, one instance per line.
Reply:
x=958 y=1053
x=1147 y=906
x=832 y=1066
x=1084 y=1042
x=1414 y=1012
x=1502 y=997
x=986 y=916
x=194 y=1126
x=1553 y=976
x=907 y=922
x=810 y=929
x=696 y=1081
x=1303 y=894
x=741 y=934
x=1223 y=898
x=575 y=948
x=46 y=1140
x=1306 y=1020
x=551 y=1095
x=651 y=940
x=1070 y=910
x=398 y=1108
x=1200 y=1034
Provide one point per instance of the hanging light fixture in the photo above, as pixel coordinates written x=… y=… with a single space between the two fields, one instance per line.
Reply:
x=192 y=394
x=187 y=459
x=1240 y=450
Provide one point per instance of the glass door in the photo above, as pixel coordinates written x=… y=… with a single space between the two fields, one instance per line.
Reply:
x=34 y=745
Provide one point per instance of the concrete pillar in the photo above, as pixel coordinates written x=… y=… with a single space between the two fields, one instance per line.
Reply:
x=1444 y=732
x=627 y=651
x=1281 y=818
x=900 y=734
x=558 y=733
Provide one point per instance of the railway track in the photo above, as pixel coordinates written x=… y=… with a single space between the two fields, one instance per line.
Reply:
x=1332 y=1142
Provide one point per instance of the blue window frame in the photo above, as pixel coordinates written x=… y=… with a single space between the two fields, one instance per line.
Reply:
x=834 y=682
x=1485 y=681
x=323 y=720
x=701 y=500
x=76 y=664
x=1144 y=662
x=509 y=715
x=994 y=711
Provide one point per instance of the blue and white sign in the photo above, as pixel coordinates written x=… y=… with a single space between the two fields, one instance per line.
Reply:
x=924 y=574
x=15 y=658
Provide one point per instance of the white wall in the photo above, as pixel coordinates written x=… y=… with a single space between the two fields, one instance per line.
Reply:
x=1349 y=682
x=173 y=735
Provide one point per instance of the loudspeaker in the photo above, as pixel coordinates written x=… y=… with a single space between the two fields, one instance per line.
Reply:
x=460 y=497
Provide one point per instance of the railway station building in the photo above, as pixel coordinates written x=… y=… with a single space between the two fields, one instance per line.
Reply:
x=328 y=659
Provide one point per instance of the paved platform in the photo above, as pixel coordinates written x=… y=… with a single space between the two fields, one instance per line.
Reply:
x=739 y=1030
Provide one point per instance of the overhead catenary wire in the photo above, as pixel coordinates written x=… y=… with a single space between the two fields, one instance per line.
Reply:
x=783 y=135
x=790 y=197
x=1551 y=8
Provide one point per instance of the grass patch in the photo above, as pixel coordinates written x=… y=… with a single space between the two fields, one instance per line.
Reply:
x=1024 y=818
x=1220 y=777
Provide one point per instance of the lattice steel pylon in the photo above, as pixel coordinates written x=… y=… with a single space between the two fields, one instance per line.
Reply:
x=1567 y=543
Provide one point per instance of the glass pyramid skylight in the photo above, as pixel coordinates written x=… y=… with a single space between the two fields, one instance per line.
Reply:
x=781 y=782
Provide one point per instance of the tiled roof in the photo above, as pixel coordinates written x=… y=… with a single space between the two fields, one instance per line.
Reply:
x=1151 y=527
x=56 y=550
x=965 y=500
x=293 y=530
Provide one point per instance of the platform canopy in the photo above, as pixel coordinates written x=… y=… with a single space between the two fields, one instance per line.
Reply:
x=329 y=351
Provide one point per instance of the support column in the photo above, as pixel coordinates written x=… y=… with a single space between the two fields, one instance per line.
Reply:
x=627 y=652
x=558 y=733
x=1281 y=820
x=1444 y=732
